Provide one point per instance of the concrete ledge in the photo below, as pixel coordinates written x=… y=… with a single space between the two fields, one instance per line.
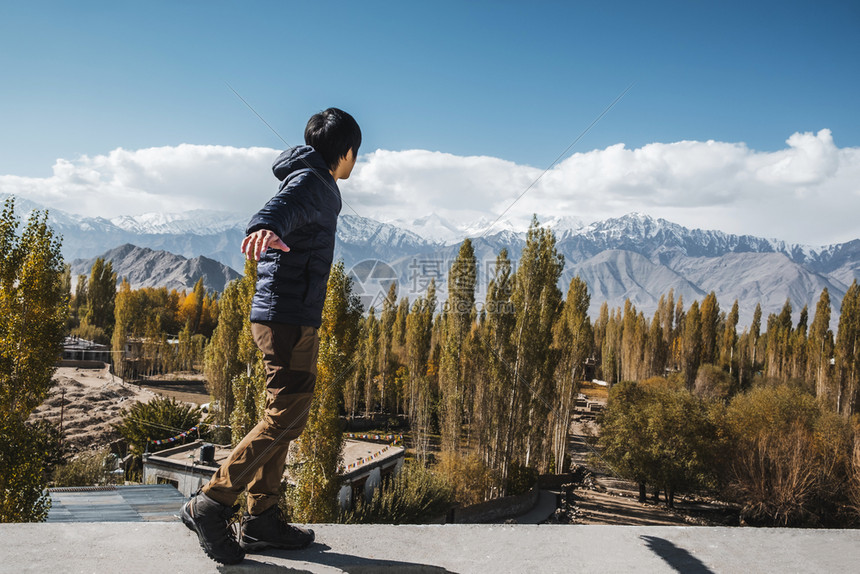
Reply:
x=170 y=547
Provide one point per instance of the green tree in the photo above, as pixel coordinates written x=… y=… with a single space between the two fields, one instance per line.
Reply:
x=369 y=367
x=729 y=341
x=500 y=353
x=656 y=347
x=848 y=352
x=573 y=338
x=79 y=301
x=536 y=298
x=221 y=361
x=692 y=344
x=320 y=446
x=33 y=311
x=249 y=386
x=779 y=343
x=419 y=331
x=709 y=313
x=123 y=316
x=820 y=349
x=655 y=433
x=101 y=296
x=387 y=321
x=457 y=318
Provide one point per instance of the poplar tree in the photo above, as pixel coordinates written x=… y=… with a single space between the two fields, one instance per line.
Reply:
x=630 y=344
x=320 y=446
x=573 y=338
x=370 y=362
x=386 y=371
x=419 y=330
x=655 y=347
x=820 y=350
x=729 y=340
x=123 y=319
x=611 y=348
x=79 y=301
x=667 y=314
x=455 y=347
x=399 y=333
x=500 y=352
x=33 y=312
x=536 y=298
x=101 y=296
x=600 y=325
x=692 y=346
x=676 y=351
x=249 y=385
x=221 y=361
x=779 y=342
x=848 y=352
x=755 y=336
x=796 y=367
x=710 y=313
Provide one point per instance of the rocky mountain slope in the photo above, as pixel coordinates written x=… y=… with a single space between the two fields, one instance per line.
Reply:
x=633 y=256
x=144 y=267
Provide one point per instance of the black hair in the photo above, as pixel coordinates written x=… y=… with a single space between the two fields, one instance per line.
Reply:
x=333 y=133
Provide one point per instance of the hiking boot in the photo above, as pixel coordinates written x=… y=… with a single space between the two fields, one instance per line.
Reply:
x=211 y=521
x=271 y=530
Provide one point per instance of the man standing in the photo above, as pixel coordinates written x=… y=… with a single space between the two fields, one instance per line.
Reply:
x=293 y=238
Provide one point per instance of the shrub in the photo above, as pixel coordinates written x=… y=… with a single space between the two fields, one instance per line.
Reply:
x=86 y=469
x=158 y=419
x=714 y=383
x=416 y=495
x=91 y=333
x=468 y=476
x=791 y=459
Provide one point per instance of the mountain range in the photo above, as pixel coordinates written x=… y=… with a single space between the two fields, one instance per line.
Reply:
x=634 y=256
x=144 y=267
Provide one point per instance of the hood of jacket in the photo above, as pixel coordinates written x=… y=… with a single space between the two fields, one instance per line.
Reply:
x=297 y=158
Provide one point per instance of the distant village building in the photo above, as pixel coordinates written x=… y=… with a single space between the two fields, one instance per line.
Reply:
x=147 y=356
x=190 y=466
x=77 y=349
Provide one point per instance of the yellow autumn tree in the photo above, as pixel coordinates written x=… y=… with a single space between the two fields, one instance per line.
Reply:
x=33 y=310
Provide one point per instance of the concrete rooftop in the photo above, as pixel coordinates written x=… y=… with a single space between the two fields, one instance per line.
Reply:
x=170 y=547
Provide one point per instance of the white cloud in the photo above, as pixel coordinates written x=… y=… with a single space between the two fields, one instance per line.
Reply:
x=176 y=178
x=808 y=192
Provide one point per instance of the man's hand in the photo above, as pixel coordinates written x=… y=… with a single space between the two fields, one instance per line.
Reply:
x=255 y=244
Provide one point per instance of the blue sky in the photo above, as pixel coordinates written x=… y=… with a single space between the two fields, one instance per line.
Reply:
x=513 y=81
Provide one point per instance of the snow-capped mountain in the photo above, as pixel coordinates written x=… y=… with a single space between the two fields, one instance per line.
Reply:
x=634 y=256
x=195 y=222
x=432 y=227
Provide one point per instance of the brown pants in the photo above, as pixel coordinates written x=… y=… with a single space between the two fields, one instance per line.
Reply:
x=257 y=462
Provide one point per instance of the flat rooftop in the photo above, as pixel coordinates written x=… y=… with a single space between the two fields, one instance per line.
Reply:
x=357 y=454
x=366 y=549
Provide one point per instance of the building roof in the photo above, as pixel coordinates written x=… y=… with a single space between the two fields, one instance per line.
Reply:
x=78 y=344
x=358 y=456
x=133 y=503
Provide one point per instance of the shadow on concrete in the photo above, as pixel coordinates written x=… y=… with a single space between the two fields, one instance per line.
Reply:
x=678 y=558
x=319 y=554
